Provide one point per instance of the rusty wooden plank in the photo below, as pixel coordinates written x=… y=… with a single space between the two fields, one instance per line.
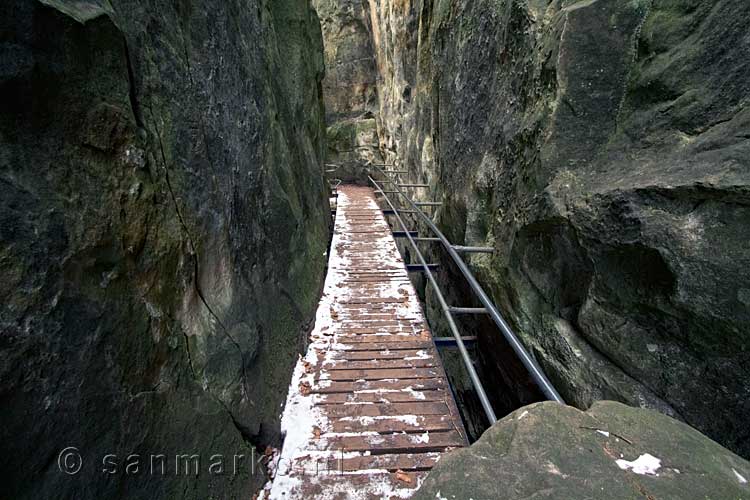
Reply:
x=419 y=423
x=403 y=362
x=390 y=409
x=382 y=354
x=396 y=443
x=377 y=374
x=383 y=397
x=329 y=387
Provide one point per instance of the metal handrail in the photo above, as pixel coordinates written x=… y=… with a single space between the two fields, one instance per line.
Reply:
x=535 y=371
x=446 y=312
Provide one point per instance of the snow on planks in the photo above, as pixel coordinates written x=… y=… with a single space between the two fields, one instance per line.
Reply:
x=369 y=409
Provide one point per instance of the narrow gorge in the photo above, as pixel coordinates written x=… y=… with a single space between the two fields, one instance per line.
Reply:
x=168 y=171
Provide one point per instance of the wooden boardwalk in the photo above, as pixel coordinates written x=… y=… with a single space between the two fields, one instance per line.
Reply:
x=369 y=410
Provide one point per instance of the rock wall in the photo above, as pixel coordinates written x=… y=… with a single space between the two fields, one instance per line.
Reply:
x=601 y=147
x=163 y=229
x=349 y=87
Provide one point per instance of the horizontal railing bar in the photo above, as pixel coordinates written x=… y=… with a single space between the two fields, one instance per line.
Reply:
x=450 y=341
x=426 y=239
x=391 y=212
x=419 y=268
x=428 y=203
x=413 y=185
x=469 y=310
x=463 y=249
x=540 y=379
x=402 y=234
x=396 y=171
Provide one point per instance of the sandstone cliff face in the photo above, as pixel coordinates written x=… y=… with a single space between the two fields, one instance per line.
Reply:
x=349 y=86
x=162 y=240
x=602 y=148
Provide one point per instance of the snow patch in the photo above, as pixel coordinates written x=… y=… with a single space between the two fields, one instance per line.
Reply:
x=645 y=464
x=739 y=477
x=420 y=438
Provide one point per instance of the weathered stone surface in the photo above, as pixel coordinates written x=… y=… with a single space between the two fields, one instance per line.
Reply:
x=602 y=148
x=163 y=226
x=349 y=87
x=548 y=450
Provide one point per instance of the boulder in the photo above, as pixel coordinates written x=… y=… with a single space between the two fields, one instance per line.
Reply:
x=548 y=450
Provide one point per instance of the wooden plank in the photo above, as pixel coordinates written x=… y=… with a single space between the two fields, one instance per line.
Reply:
x=391 y=463
x=335 y=486
x=337 y=463
x=373 y=300
x=377 y=374
x=404 y=362
x=382 y=340
x=390 y=409
x=348 y=344
x=396 y=443
x=420 y=423
x=383 y=397
x=383 y=354
x=329 y=387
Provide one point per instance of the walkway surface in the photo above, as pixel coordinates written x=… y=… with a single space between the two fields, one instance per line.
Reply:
x=369 y=409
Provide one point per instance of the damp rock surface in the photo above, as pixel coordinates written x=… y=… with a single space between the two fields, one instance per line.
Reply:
x=349 y=88
x=163 y=229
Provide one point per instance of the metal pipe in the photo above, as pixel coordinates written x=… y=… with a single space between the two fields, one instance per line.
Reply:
x=414 y=185
x=450 y=341
x=391 y=212
x=401 y=234
x=428 y=203
x=468 y=310
x=459 y=248
x=530 y=363
x=448 y=317
x=419 y=268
